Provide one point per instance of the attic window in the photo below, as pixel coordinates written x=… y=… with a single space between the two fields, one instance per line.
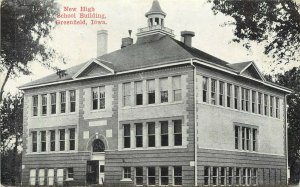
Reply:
x=156 y=21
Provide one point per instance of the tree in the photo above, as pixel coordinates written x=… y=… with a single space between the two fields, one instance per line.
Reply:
x=25 y=31
x=11 y=123
x=275 y=24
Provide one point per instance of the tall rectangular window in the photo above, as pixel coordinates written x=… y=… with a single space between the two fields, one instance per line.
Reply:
x=151 y=134
x=244 y=176
x=126 y=94
x=139 y=134
x=249 y=173
x=60 y=176
x=254 y=139
x=34 y=141
x=151 y=176
x=139 y=93
x=177 y=175
x=126 y=173
x=253 y=101
x=53 y=103
x=41 y=177
x=164 y=133
x=243 y=138
x=271 y=105
x=254 y=176
x=230 y=176
x=206 y=175
x=236 y=97
x=35 y=101
x=277 y=107
x=98 y=97
x=177 y=132
x=213 y=91
x=248 y=139
x=237 y=176
x=151 y=91
x=229 y=95
x=215 y=176
x=32 y=177
x=50 y=176
x=72 y=100
x=43 y=141
x=63 y=102
x=44 y=104
x=205 y=89
x=52 y=140
x=176 y=83
x=223 y=176
x=62 y=139
x=163 y=86
x=243 y=99
x=259 y=109
x=126 y=135
x=102 y=97
x=266 y=103
x=237 y=136
x=70 y=173
x=72 y=139
x=95 y=98
x=139 y=176
x=247 y=99
x=164 y=175
x=221 y=93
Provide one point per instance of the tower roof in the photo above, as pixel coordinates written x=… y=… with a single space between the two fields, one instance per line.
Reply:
x=155 y=9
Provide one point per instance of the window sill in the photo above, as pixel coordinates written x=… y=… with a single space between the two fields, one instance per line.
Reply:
x=153 y=105
x=152 y=148
x=69 y=179
x=54 y=115
x=126 y=180
x=98 y=110
x=50 y=152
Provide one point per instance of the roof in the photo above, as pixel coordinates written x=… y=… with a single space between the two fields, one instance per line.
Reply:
x=155 y=9
x=145 y=53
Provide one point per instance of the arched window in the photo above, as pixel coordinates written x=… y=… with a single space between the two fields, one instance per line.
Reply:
x=98 y=146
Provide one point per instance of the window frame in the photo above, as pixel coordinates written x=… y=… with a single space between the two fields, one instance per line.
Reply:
x=70 y=173
x=34 y=141
x=139 y=135
x=136 y=177
x=151 y=91
x=127 y=173
x=72 y=139
x=53 y=103
x=126 y=137
x=62 y=142
x=223 y=176
x=221 y=93
x=175 y=176
x=213 y=91
x=207 y=177
x=126 y=94
x=35 y=103
x=52 y=140
x=177 y=134
x=271 y=106
x=63 y=102
x=163 y=176
x=177 y=91
x=44 y=104
x=253 y=101
x=138 y=96
x=43 y=139
x=151 y=176
x=163 y=89
x=151 y=135
x=236 y=97
x=205 y=89
x=229 y=95
x=41 y=177
x=215 y=176
x=72 y=100
x=266 y=104
x=164 y=135
x=32 y=178
x=259 y=107
x=277 y=111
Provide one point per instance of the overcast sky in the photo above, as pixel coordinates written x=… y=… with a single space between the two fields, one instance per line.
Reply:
x=78 y=43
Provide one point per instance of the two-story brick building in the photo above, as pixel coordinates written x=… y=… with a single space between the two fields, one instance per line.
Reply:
x=156 y=112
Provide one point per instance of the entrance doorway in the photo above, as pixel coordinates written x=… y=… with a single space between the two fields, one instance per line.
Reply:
x=95 y=166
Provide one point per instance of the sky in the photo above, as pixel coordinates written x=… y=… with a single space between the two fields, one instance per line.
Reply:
x=77 y=43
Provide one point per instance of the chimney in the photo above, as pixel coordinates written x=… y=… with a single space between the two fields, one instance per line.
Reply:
x=101 y=42
x=186 y=37
x=127 y=41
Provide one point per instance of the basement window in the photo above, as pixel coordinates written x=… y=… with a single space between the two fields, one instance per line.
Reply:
x=177 y=175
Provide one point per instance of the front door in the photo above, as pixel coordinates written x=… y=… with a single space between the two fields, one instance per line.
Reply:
x=92 y=174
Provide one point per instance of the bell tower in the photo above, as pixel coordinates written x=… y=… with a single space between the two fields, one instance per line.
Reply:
x=156 y=22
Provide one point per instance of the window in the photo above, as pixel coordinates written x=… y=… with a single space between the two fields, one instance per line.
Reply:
x=213 y=91
x=62 y=139
x=72 y=139
x=164 y=175
x=164 y=133
x=139 y=176
x=60 y=176
x=245 y=138
x=126 y=135
x=177 y=132
x=223 y=176
x=245 y=99
x=176 y=81
x=44 y=104
x=62 y=102
x=206 y=175
x=254 y=176
x=151 y=134
x=50 y=179
x=277 y=108
x=35 y=101
x=236 y=97
x=266 y=104
x=53 y=103
x=247 y=94
x=249 y=176
x=215 y=176
x=98 y=97
x=98 y=145
x=72 y=100
x=41 y=177
x=230 y=176
x=43 y=141
x=138 y=93
x=221 y=93
x=151 y=176
x=139 y=134
x=205 y=89
x=259 y=103
x=244 y=176
x=32 y=177
x=253 y=101
x=254 y=141
x=34 y=141
x=238 y=176
x=271 y=105
x=151 y=91
x=126 y=173
x=177 y=175
x=52 y=140
x=163 y=84
x=237 y=136
x=126 y=94
x=248 y=138
x=229 y=86
x=70 y=173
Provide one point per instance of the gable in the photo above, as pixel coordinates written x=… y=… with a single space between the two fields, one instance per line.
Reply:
x=252 y=72
x=94 y=70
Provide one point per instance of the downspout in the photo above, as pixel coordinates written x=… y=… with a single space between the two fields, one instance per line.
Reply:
x=195 y=124
x=286 y=136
